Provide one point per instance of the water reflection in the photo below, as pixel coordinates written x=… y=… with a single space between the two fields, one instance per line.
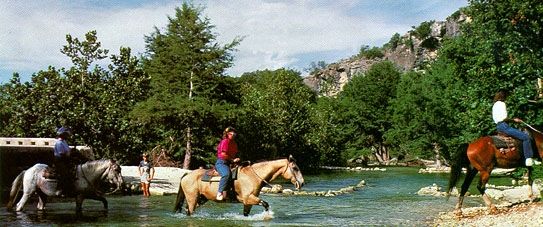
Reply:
x=144 y=217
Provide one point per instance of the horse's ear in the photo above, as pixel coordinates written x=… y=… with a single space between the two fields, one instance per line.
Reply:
x=291 y=159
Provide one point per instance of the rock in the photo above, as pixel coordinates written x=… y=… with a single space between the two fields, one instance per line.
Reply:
x=165 y=182
x=435 y=190
x=513 y=195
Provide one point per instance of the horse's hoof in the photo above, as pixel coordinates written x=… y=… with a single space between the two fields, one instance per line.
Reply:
x=458 y=213
x=493 y=210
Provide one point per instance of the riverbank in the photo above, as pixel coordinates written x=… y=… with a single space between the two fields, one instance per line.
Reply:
x=524 y=214
x=514 y=208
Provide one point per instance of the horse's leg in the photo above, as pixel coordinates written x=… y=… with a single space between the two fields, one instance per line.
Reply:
x=79 y=203
x=530 y=182
x=42 y=200
x=465 y=186
x=192 y=201
x=29 y=187
x=253 y=200
x=481 y=186
x=99 y=198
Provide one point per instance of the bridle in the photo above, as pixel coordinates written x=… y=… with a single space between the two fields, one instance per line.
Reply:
x=293 y=173
x=289 y=167
x=104 y=175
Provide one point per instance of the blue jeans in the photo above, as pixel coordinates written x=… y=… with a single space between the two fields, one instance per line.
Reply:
x=223 y=168
x=526 y=143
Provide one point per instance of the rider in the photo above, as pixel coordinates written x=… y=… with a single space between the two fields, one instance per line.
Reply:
x=63 y=166
x=499 y=115
x=226 y=153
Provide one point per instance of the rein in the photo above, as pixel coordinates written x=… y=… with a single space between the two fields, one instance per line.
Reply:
x=268 y=183
x=531 y=127
x=86 y=179
x=265 y=181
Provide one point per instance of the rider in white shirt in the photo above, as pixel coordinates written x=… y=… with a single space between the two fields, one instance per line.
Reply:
x=499 y=115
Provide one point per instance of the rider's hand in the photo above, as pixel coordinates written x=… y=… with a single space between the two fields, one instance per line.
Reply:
x=236 y=159
x=518 y=120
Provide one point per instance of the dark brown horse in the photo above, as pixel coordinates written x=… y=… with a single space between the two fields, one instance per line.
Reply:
x=482 y=156
x=248 y=184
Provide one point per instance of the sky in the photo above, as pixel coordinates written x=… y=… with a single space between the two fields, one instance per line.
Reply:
x=276 y=33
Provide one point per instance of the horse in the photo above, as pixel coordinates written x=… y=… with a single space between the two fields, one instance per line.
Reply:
x=247 y=186
x=482 y=156
x=92 y=178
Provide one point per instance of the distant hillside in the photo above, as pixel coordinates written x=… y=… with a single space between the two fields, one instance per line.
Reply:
x=408 y=52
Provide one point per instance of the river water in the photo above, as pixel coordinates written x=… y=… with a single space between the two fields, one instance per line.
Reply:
x=389 y=198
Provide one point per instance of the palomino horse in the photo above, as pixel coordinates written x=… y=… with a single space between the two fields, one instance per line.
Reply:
x=92 y=178
x=250 y=180
x=482 y=156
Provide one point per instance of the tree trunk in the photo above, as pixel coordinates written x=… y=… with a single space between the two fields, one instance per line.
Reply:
x=188 y=150
x=381 y=153
x=438 y=158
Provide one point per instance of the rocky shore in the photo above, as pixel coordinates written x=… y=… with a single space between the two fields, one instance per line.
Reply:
x=514 y=208
x=524 y=214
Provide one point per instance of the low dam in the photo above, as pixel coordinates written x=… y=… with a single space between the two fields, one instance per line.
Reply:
x=18 y=154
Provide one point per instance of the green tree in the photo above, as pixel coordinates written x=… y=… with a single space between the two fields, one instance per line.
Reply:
x=422 y=121
x=326 y=135
x=365 y=101
x=499 y=49
x=186 y=65
x=276 y=116
x=370 y=53
x=96 y=109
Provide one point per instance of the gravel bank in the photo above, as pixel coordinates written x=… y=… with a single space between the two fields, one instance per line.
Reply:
x=525 y=214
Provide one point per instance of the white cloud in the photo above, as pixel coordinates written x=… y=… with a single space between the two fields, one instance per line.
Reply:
x=277 y=33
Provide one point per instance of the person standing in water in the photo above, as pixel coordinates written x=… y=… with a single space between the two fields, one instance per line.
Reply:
x=147 y=173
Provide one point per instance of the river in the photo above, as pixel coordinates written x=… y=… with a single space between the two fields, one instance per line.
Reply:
x=389 y=198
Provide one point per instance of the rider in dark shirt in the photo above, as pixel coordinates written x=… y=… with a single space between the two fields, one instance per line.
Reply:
x=64 y=168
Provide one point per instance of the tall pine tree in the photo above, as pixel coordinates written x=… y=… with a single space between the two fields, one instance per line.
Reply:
x=186 y=66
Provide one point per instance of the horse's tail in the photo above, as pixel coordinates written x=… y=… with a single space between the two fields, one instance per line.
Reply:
x=180 y=196
x=15 y=188
x=460 y=162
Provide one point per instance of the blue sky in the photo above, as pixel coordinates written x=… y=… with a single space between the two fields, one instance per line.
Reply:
x=278 y=33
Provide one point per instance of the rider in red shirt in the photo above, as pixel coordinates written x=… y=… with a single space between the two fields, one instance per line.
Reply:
x=226 y=154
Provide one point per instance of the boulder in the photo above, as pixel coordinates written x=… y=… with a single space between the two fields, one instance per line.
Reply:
x=165 y=182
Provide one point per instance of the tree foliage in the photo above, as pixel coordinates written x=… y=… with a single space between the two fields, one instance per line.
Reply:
x=177 y=94
x=276 y=116
x=186 y=66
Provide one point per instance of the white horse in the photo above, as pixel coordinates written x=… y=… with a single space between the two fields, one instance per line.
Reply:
x=91 y=180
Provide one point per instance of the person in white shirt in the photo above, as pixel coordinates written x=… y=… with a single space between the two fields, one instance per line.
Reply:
x=499 y=115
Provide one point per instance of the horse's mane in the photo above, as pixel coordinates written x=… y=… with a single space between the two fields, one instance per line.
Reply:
x=95 y=163
x=266 y=160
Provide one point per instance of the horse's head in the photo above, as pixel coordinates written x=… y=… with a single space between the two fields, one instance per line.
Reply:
x=113 y=175
x=293 y=173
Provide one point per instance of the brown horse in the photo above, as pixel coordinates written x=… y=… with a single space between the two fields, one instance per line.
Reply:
x=483 y=156
x=250 y=180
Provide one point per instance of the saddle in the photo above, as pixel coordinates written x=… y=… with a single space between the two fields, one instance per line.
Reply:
x=505 y=143
x=211 y=175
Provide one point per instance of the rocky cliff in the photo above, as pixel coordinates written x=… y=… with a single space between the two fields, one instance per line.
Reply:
x=408 y=52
